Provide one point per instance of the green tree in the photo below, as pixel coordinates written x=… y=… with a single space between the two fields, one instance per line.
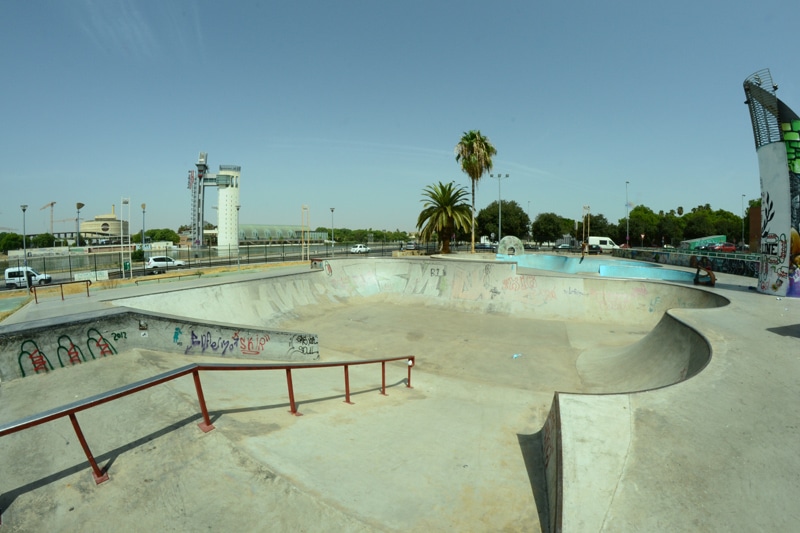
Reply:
x=474 y=152
x=671 y=228
x=699 y=223
x=43 y=240
x=601 y=226
x=728 y=224
x=549 y=227
x=445 y=209
x=165 y=234
x=643 y=221
x=10 y=241
x=515 y=220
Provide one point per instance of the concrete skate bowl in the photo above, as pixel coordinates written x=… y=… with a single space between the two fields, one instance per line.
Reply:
x=472 y=320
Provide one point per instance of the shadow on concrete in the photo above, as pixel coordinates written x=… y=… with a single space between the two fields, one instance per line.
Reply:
x=215 y=414
x=787 y=331
x=107 y=459
x=532 y=454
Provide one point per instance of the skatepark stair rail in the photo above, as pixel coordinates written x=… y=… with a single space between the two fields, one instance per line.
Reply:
x=71 y=410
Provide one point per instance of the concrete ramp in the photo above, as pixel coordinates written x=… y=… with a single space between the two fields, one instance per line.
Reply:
x=669 y=354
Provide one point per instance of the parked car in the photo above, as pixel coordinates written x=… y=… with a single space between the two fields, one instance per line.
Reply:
x=529 y=246
x=563 y=247
x=727 y=247
x=359 y=249
x=411 y=246
x=485 y=247
x=162 y=263
x=15 y=277
x=594 y=249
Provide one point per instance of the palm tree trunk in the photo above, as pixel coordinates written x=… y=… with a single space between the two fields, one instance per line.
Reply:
x=447 y=232
x=473 y=216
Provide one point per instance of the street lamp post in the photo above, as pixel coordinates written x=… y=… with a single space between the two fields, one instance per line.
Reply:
x=78 y=206
x=627 y=218
x=24 y=208
x=499 y=177
x=238 y=239
x=123 y=203
x=143 y=208
x=742 y=241
x=333 y=238
x=587 y=224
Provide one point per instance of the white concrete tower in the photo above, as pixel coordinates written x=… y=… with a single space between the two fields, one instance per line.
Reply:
x=228 y=216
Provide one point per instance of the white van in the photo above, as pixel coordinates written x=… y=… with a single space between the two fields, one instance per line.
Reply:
x=605 y=243
x=15 y=277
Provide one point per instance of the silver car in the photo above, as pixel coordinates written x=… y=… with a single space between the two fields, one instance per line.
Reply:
x=162 y=263
x=359 y=249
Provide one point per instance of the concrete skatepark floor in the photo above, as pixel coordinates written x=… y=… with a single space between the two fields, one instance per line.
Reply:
x=461 y=450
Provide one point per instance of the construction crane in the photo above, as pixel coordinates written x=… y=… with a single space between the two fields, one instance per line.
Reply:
x=50 y=205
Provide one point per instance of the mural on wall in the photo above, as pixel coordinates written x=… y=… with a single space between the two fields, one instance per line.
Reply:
x=303 y=344
x=30 y=354
x=729 y=265
x=776 y=129
x=33 y=359
x=69 y=352
x=96 y=341
x=43 y=350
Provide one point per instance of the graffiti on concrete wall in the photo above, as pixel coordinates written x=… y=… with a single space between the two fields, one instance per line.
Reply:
x=208 y=342
x=67 y=351
x=96 y=341
x=740 y=266
x=33 y=359
x=40 y=354
x=304 y=344
x=254 y=344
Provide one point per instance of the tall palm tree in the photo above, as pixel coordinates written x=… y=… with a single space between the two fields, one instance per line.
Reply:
x=445 y=211
x=474 y=152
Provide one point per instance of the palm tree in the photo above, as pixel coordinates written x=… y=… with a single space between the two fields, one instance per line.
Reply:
x=445 y=211
x=474 y=152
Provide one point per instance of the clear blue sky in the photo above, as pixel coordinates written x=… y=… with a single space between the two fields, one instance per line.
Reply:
x=358 y=105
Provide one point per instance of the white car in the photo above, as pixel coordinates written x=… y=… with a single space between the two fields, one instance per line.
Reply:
x=359 y=249
x=162 y=263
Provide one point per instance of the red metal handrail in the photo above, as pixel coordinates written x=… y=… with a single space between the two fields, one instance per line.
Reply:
x=70 y=410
